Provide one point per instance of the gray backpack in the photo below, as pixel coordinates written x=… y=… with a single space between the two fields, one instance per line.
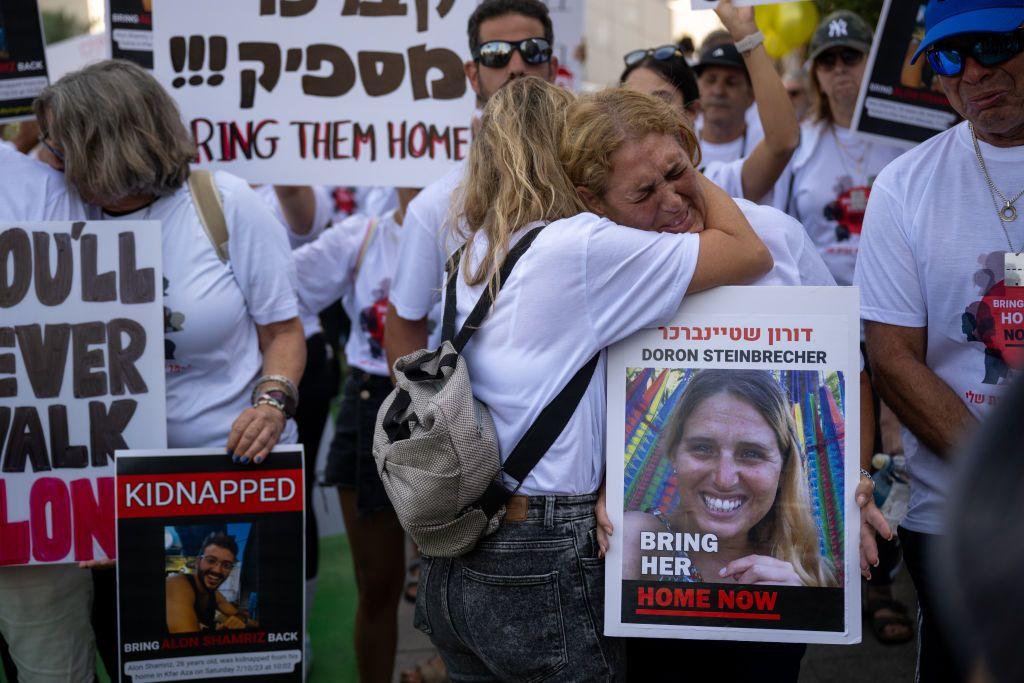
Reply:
x=435 y=444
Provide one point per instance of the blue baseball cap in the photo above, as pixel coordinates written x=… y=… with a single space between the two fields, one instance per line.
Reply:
x=946 y=18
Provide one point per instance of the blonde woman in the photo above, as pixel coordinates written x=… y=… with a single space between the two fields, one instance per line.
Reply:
x=527 y=603
x=732 y=442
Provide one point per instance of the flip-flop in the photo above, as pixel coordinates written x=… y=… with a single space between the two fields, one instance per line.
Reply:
x=879 y=622
x=430 y=670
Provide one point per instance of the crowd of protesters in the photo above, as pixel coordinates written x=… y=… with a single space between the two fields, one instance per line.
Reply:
x=695 y=171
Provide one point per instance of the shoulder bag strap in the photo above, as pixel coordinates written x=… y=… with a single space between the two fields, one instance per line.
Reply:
x=208 y=205
x=371 y=229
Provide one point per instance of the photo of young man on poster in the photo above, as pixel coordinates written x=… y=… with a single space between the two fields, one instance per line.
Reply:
x=743 y=513
x=194 y=599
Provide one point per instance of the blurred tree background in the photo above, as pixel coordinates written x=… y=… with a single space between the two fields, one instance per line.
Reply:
x=869 y=9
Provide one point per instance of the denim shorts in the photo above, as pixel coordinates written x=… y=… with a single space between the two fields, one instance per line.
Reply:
x=350 y=462
x=527 y=604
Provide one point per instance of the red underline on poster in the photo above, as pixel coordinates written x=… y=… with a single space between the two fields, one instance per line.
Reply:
x=708 y=615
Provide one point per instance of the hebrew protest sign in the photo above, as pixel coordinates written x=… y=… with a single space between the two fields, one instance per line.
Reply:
x=130 y=27
x=211 y=566
x=729 y=483
x=900 y=102
x=81 y=375
x=22 y=58
x=338 y=92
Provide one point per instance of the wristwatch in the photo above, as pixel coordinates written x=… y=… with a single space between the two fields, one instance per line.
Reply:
x=278 y=399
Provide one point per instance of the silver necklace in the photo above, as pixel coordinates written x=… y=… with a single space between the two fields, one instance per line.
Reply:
x=1007 y=211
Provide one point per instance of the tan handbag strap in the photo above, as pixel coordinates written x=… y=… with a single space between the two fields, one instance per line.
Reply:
x=206 y=199
x=367 y=238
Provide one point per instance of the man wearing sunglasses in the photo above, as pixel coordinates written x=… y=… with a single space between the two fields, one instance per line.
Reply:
x=508 y=39
x=940 y=274
x=193 y=599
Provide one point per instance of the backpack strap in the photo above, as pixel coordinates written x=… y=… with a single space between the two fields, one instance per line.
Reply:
x=535 y=443
x=206 y=199
x=483 y=306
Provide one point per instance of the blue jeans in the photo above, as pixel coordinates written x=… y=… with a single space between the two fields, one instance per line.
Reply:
x=527 y=604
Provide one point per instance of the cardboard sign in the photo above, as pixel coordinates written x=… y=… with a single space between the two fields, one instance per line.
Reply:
x=338 y=92
x=130 y=27
x=81 y=375
x=900 y=102
x=729 y=482
x=22 y=58
x=211 y=568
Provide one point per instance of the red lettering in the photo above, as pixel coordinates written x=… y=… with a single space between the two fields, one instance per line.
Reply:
x=644 y=596
x=14 y=536
x=417 y=151
x=396 y=139
x=52 y=493
x=765 y=600
x=93 y=519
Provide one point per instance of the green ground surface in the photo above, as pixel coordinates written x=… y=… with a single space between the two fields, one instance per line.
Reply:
x=333 y=613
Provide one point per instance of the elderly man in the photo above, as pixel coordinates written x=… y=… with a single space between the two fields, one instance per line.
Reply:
x=940 y=270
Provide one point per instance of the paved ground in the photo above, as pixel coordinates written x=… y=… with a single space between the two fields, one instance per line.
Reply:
x=868 y=661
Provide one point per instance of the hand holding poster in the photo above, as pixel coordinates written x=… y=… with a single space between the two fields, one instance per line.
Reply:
x=81 y=375
x=728 y=483
x=211 y=576
x=337 y=92
x=900 y=102
x=22 y=58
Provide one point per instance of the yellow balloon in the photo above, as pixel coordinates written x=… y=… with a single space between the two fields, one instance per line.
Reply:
x=776 y=46
x=765 y=16
x=795 y=22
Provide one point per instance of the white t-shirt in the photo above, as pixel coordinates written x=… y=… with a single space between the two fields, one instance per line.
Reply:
x=321 y=219
x=584 y=284
x=325 y=268
x=740 y=148
x=932 y=256
x=797 y=262
x=427 y=241
x=32 y=191
x=831 y=175
x=728 y=175
x=212 y=354
x=376 y=201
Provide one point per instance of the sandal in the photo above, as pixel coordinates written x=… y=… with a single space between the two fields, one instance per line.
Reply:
x=885 y=612
x=430 y=670
x=412 y=581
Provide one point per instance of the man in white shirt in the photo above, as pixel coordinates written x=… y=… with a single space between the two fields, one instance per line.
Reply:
x=44 y=610
x=939 y=273
x=508 y=39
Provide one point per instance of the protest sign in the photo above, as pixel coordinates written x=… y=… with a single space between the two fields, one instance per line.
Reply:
x=81 y=375
x=130 y=27
x=568 y=18
x=732 y=463
x=22 y=58
x=338 y=92
x=76 y=53
x=901 y=103
x=211 y=565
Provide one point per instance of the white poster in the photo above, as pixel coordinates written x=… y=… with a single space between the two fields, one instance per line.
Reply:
x=569 y=20
x=76 y=53
x=337 y=92
x=81 y=375
x=732 y=463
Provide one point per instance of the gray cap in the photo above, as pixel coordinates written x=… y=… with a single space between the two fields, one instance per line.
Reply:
x=841 y=29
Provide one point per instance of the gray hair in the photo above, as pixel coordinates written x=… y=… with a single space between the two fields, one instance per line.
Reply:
x=120 y=132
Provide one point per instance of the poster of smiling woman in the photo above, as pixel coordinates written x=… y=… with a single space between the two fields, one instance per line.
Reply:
x=732 y=463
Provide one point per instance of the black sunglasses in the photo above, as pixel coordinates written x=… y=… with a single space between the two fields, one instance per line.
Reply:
x=497 y=53
x=659 y=53
x=988 y=49
x=847 y=55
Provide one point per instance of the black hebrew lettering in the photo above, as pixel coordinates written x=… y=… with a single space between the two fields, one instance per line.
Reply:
x=62 y=453
x=342 y=77
x=26 y=442
x=44 y=356
x=52 y=289
x=85 y=382
x=269 y=54
x=8 y=385
x=137 y=286
x=289 y=8
x=76 y=229
x=14 y=283
x=105 y=428
x=95 y=286
x=381 y=72
x=452 y=83
x=121 y=359
x=375 y=8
